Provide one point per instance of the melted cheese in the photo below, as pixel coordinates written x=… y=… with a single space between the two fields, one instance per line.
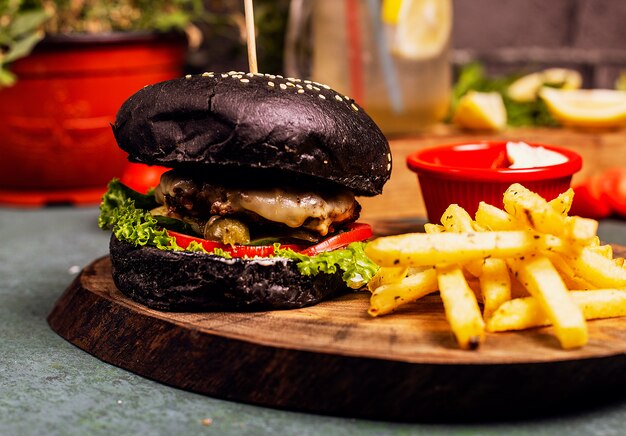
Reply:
x=295 y=208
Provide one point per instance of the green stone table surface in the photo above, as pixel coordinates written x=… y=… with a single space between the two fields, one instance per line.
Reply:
x=50 y=387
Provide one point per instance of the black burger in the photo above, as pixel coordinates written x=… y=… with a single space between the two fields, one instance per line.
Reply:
x=259 y=209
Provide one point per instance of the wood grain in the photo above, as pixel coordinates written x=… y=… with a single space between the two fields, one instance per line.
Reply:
x=333 y=358
x=401 y=195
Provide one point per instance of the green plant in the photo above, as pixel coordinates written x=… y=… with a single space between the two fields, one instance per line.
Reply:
x=23 y=23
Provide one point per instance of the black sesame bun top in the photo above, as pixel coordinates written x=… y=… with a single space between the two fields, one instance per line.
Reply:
x=255 y=126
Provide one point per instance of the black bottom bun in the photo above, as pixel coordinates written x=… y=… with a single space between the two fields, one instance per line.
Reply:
x=185 y=281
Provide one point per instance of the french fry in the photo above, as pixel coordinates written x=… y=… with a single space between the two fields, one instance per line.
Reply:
x=597 y=269
x=495 y=285
x=563 y=202
x=461 y=307
x=494 y=219
x=456 y=219
x=387 y=298
x=524 y=313
x=418 y=249
x=433 y=228
x=532 y=210
x=544 y=283
x=567 y=273
x=386 y=275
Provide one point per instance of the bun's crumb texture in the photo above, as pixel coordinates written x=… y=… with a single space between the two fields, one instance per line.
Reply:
x=248 y=126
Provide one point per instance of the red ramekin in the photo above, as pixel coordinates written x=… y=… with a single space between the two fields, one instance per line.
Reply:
x=468 y=173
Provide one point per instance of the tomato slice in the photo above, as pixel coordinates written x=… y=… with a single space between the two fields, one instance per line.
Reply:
x=354 y=232
x=142 y=177
x=235 y=251
x=614 y=187
x=589 y=199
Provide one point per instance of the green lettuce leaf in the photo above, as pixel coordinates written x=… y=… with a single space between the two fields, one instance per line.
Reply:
x=358 y=269
x=120 y=212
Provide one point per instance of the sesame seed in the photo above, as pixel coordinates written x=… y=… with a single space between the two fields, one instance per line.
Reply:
x=279 y=76
x=250 y=74
x=244 y=80
x=388 y=167
x=354 y=107
x=325 y=86
x=338 y=97
x=224 y=75
x=307 y=81
x=316 y=88
x=272 y=76
x=325 y=161
x=389 y=157
x=309 y=87
x=290 y=84
x=205 y=74
x=291 y=79
x=300 y=91
x=188 y=76
x=298 y=86
x=321 y=96
x=270 y=83
x=283 y=86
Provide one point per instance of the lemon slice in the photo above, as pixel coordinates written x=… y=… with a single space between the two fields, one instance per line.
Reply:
x=586 y=107
x=422 y=29
x=526 y=88
x=481 y=111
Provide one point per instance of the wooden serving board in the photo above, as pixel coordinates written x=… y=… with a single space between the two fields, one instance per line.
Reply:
x=333 y=358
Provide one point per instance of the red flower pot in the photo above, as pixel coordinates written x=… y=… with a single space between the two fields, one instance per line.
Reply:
x=56 y=143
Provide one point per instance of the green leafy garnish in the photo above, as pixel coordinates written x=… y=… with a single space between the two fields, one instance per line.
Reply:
x=472 y=77
x=358 y=269
x=120 y=212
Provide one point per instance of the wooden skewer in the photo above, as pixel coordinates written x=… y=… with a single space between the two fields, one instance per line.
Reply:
x=249 y=12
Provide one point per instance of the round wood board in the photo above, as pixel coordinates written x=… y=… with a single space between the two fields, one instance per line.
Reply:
x=333 y=358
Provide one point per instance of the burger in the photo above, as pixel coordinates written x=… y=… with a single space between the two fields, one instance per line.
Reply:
x=259 y=208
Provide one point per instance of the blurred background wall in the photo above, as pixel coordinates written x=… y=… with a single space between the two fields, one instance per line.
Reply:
x=509 y=35
x=506 y=35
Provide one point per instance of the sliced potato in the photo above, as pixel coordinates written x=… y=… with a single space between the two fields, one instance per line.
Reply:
x=461 y=307
x=543 y=282
x=495 y=285
x=418 y=249
x=388 y=297
x=524 y=313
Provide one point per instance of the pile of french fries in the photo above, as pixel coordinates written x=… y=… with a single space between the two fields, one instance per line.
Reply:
x=527 y=265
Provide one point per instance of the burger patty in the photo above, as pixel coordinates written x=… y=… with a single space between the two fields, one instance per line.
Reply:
x=314 y=211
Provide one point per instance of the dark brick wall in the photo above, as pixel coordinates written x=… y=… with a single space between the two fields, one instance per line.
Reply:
x=513 y=35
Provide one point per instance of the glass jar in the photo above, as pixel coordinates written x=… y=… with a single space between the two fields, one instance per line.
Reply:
x=391 y=57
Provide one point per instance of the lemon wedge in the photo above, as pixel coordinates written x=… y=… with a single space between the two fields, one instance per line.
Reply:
x=391 y=11
x=481 y=111
x=422 y=27
x=526 y=88
x=603 y=108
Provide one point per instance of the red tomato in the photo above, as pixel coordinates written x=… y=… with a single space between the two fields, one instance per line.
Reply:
x=236 y=251
x=589 y=199
x=142 y=177
x=354 y=232
x=614 y=187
